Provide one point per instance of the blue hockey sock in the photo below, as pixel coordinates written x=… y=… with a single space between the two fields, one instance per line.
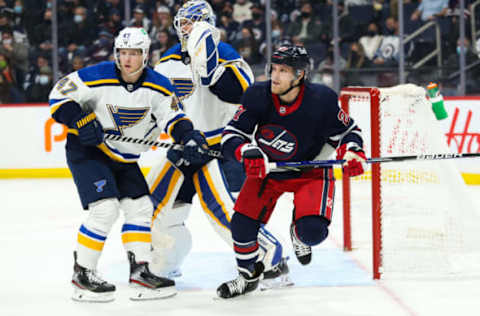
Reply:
x=245 y=244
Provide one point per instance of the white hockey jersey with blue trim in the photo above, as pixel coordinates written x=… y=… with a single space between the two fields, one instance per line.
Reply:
x=143 y=112
x=207 y=112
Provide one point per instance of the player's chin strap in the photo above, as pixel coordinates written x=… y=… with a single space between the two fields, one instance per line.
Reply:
x=293 y=86
x=140 y=141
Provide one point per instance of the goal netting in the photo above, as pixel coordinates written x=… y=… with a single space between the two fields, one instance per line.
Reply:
x=417 y=217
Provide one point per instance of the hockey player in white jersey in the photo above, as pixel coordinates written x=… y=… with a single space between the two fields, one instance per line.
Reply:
x=210 y=78
x=123 y=98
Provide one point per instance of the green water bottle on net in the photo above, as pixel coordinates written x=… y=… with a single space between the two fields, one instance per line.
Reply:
x=437 y=101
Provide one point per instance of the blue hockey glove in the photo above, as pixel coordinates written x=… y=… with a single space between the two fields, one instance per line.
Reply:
x=90 y=131
x=196 y=148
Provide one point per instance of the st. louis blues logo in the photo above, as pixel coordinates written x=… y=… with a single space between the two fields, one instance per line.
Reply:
x=184 y=87
x=124 y=118
x=100 y=184
x=276 y=142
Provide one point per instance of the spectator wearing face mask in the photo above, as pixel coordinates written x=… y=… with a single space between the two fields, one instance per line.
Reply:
x=257 y=23
x=247 y=46
x=228 y=24
x=306 y=28
x=371 y=41
x=38 y=82
x=17 y=53
x=80 y=34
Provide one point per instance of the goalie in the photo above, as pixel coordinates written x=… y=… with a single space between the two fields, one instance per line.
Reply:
x=210 y=77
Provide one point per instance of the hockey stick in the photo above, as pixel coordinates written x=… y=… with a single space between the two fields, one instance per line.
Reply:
x=328 y=163
x=125 y=139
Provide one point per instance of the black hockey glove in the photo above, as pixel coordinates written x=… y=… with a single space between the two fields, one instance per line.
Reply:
x=90 y=131
x=196 y=148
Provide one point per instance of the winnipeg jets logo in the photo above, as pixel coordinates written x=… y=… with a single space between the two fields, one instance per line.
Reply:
x=277 y=142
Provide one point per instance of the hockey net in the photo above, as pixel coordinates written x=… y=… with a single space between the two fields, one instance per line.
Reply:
x=417 y=217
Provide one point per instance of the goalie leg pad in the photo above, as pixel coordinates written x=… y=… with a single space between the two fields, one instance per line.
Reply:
x=171 y=240
x=270 y=249
x=215 y=199
x=164 y=182
x=136 y=234
x=94 y=230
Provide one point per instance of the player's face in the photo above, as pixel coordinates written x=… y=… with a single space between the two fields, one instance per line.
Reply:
x=131 y=60
x=282 y=77
x=186 y=26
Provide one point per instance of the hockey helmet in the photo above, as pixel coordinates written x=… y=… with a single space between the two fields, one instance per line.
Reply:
x=291 y=55
x=193 y=11
x=132 y=38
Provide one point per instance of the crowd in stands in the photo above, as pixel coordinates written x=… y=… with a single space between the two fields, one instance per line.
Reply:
x=86 y=30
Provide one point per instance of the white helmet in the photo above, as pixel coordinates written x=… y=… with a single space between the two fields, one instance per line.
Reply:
x=192 y=11
x=132 y=38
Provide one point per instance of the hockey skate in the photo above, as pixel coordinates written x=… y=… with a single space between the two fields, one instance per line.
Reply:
x=302 y=251
x=245 y=282
x=88 y=286
x=147 y=285
x=277 y=277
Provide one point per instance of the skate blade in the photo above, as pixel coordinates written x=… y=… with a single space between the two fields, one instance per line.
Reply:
x=281 y=282
x=81 y=295
x=141 y=293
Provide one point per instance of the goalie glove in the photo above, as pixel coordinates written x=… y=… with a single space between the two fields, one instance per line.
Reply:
x=202 y=47
x=254 y=160
x=354 y=157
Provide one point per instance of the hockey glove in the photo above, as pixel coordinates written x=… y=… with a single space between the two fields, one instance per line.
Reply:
x=254 y=160
x=90 y=131
x=196 y=148
x=354 y=157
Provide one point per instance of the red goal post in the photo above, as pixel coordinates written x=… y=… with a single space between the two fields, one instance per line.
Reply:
x=374 y=95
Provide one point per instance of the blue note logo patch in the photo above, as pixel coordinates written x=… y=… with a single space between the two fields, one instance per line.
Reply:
x=100 y=184
x=124 y=117
x=277 y=142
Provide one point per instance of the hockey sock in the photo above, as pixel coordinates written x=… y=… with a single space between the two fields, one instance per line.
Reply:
x=245 y=244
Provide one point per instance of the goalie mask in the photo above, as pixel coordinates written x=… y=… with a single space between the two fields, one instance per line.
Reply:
x=132 y=38
x=192 y=11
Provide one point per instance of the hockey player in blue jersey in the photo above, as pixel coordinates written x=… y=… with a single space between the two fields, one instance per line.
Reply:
x=122 y=98
x=210 y=78
x=286 y=119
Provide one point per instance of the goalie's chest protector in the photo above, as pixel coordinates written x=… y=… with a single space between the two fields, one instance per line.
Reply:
x=207 y=112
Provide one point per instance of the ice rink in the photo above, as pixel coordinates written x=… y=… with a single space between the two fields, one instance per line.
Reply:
x=40 y=219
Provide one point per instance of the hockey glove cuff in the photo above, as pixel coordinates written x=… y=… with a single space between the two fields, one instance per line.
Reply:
x=254 y=160
x=90 y=131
